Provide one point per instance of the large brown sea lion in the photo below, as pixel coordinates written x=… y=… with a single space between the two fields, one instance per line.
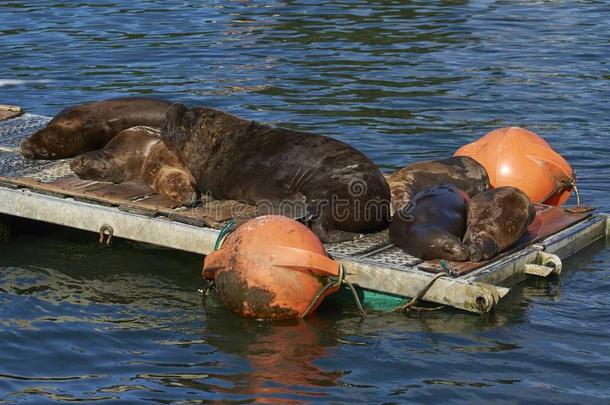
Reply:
x=432 y=225
x=121 y=159
x=167 y=176
x=342 y=191
x=90 y=126
x=463 y=172
x=497 y=218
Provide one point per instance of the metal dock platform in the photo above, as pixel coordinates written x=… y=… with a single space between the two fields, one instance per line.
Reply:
x=48 y=191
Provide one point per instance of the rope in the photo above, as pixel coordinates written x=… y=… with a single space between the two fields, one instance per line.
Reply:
x=357 y=299
x=577 y=193
x=224 y=232
x=445 y=266
x=571 y=183
x=335 y=283
x=205 y=291
x=407 y=306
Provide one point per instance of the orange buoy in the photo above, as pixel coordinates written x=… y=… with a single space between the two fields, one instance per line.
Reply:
x=520 y=158
x=272 y=267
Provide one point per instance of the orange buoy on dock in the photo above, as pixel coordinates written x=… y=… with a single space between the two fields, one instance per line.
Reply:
x=272 y=267
x=520 y=158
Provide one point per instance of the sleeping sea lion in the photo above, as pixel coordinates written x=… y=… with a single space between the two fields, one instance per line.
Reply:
x=432 y=225
x=121 y=159
x=167 y=176
x=463 y=172
x=341 y=191
x=497 y=218
x=90 y=126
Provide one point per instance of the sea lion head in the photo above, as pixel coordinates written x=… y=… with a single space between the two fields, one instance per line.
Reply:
x=41 y=144
x=482 y=249
x=179 y=186
x=450 y=247
x=97 y=165
x=61 y=138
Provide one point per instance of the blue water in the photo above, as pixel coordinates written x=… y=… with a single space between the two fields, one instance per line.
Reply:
x=402 y=81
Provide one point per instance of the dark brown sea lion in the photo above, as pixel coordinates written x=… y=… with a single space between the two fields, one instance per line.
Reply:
x=497 y=218
x=431 y=226
x=463 y=172
x=121 y=159
x=167 y=176
x=342 y=191
x=90 y=126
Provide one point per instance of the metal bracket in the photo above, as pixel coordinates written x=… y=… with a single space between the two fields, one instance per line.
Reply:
x=106 y=233
x=545 y=265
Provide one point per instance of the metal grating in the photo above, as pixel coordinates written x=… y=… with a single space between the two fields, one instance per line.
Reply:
x=12 y=131
x=375 y=248
x=359 y=247
x=11 y=161
x=395 y=257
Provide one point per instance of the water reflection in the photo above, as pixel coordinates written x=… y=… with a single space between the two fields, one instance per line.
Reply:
x=281 y=356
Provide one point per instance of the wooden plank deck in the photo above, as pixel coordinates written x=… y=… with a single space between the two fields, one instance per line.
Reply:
x=48 y=191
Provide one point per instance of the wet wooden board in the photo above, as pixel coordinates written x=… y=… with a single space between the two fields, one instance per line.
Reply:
x=214 y=213
x=136 y=197
x=127 y=191
x=75 y=183
x=151 y=205
x=549 y=220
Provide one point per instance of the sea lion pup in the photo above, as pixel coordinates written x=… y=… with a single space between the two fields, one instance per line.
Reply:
x=341 y=191
x=463 y=172
x=497 y=218
x=121 y=159
x=90 y=126
x=167 y=176
x=432 y=225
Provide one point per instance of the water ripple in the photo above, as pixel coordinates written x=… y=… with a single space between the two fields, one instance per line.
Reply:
x=402 y=81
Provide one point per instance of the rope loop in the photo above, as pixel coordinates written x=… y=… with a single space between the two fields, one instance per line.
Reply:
x=225 y=231
x=337 y=282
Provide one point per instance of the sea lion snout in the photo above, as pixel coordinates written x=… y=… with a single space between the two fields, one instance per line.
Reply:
x=457 y=251
x=474 y=253
x=180 y=187
x=483 y=249
x=92 y=166
x=27 y=148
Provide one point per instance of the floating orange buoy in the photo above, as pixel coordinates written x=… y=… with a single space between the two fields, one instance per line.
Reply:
x=272 y=267
x=520 y=158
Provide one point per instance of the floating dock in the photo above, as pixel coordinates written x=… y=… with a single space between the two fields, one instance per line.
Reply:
x=48 y=191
